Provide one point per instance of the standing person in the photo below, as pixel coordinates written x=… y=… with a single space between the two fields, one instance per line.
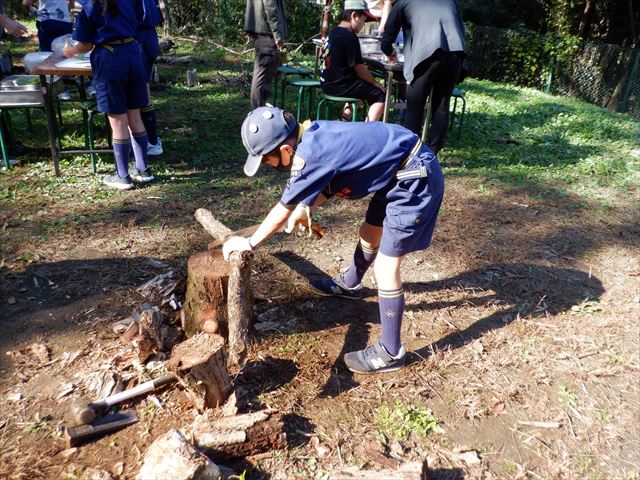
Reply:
x=433 y=54
x=264 y=20
x=351 y=160
x=53 y=19
x=107 y=29
x=147 y=37
x=344 y=73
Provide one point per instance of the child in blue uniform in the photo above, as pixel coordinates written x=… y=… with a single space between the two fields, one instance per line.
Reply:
x=344 y=73
x=52 y=20
x=107 y=29
x=148 y=40
x=352 y=160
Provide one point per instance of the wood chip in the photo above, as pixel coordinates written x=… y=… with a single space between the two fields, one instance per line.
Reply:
x=540 y=424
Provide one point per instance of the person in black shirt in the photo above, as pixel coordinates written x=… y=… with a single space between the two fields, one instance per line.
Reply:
x=343 y=71
x=433 y=54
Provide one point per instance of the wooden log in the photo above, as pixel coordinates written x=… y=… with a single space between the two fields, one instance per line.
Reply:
x=239 y=305
x=150 y=339
x=205 y=304
x=201 y=364
x=212 y=226
x=239 y=436
x=406 y=471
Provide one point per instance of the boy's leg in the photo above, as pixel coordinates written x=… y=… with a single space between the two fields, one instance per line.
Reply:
x=375 y=112
x=139 y=139
x=121 y=142
x=148 y=115
x=390 y=301
x=364 y=254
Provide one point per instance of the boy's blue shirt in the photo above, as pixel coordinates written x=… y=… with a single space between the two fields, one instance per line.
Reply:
x=94 y=26
x=346 y=159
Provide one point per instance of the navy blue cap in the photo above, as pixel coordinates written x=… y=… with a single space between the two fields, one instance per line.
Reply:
x=262 y=131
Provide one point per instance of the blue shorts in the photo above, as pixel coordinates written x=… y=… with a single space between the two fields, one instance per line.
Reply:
x=407 y=209
x=148 y=40
x=118 y=77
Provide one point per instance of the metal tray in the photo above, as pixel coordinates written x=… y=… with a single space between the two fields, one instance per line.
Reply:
x=21 y=91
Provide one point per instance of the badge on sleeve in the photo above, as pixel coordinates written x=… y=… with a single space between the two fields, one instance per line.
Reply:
x=297 y=166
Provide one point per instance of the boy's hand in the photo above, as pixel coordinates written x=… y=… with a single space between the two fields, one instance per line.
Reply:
x=300 y=217
x=235 y=244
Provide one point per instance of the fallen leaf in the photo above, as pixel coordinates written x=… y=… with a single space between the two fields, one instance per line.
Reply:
x=477 y=346
x=14 y=397
x=41 y=351
x=118 y=468
x=498 y=408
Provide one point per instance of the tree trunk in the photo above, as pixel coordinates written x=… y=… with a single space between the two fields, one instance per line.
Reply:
x=240 y=306
x=201 y=364
x=205 y=304
x=585 y=20
x=240 y=435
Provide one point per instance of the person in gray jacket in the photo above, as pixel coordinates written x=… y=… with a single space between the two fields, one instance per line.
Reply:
x=433 y=53
x=264 y=21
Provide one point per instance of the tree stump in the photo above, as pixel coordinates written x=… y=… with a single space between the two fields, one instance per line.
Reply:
x=205 y=304
x=241 y=435
x=201 y=365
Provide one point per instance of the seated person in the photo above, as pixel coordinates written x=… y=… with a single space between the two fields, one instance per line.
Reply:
x=343 y=71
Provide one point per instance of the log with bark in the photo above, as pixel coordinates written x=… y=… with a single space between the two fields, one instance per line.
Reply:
x=239 y=436
x=205 y=307
x=201 y=365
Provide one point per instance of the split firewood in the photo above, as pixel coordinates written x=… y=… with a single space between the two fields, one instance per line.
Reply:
x=172 y=456
x=150 y=340
x=240 y=306
x=201 y=365
x=406 y=471
x=239 y=436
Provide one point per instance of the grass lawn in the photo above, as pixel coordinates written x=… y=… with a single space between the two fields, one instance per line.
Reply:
x=522 y=318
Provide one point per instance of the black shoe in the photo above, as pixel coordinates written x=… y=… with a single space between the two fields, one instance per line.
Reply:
x=336 y=287
x=375 y=359
x=141 y=177
x=117 y=182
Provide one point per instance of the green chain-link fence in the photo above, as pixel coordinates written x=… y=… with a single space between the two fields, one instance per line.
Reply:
x=606 y=75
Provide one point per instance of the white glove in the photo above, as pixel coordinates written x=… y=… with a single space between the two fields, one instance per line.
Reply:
x=301 y=212
x=235 y=244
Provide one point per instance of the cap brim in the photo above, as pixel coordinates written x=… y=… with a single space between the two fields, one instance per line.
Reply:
x=370 y=16
x=252 y=164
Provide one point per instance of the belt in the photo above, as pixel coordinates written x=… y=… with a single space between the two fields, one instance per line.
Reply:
x=120 y=41
x=421 y=172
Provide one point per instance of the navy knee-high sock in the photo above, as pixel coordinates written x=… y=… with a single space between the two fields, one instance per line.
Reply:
x=363 y=257
x=391 y=305
x=121 y=151
x=139 y=146
x=150 y=121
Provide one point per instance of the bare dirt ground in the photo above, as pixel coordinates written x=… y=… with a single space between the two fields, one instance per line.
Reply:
x=521 y=319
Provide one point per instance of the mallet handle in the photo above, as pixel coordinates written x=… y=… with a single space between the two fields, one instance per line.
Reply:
x=105 y=403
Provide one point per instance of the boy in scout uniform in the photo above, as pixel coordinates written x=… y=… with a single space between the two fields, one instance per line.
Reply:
x=352 y=160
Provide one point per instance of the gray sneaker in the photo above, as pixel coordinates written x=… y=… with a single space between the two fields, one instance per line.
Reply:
x=141 y=177
x=117 y=182
x=336 y=287
x=375 y=359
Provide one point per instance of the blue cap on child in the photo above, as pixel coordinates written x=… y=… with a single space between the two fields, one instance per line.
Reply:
x=262 y=131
